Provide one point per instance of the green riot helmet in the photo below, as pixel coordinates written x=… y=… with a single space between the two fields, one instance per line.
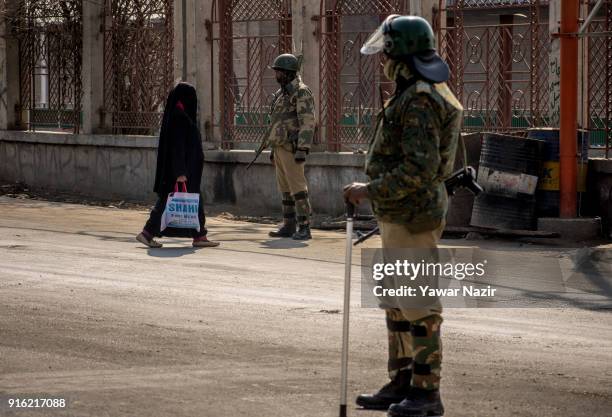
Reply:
x=409 y=39
x=286 y=62
x=400 y=36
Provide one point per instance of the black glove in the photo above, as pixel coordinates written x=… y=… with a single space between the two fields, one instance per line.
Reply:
x=300 y=155
x=272 y=156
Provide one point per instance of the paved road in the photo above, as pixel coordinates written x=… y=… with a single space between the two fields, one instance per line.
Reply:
x=249 y=329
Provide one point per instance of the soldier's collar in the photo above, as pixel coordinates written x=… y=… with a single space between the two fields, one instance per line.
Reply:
x=402 y=83
x=292 y=87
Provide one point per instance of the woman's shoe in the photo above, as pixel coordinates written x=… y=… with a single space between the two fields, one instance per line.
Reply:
x=148 y=241
x=203 y=242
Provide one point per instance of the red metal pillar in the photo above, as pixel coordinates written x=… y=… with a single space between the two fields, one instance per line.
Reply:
x=569 y=107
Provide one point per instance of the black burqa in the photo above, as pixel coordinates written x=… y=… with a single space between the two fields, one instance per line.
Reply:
x=179 y=153
x=180 y=145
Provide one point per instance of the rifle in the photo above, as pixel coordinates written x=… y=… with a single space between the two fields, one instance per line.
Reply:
x=463 y=178
x=264 y=143
x=299 y=56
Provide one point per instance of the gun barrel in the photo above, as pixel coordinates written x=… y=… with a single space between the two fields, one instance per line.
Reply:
x=366 y=236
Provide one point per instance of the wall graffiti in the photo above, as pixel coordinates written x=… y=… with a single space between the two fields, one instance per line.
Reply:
x=555 y=88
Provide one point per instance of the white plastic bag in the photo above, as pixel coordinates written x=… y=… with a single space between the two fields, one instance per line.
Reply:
x=181 y=210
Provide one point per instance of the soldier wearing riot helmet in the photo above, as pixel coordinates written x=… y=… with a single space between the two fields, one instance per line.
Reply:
x=290 y=137
x=410 y=155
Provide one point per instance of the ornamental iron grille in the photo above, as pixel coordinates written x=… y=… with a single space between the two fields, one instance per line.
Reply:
x=49 y=34
x=350 y=83
x=599 y=79
x=246 y=36
x=499 y=65
x=138 y=64
x=489 y=4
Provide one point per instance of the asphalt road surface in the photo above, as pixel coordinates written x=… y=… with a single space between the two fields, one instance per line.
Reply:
x=251 y=328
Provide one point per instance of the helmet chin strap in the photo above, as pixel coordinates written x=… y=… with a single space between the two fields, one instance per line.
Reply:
x=286 y=78
x=394 y=68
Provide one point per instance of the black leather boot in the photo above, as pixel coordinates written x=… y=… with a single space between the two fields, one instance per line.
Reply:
x=286 y=230
x=303 y=233
x=418 y=403
x=393 y=392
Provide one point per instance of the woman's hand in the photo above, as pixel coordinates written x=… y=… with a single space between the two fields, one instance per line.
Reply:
x=182 y=178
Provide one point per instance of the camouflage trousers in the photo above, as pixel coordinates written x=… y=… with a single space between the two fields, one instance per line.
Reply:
x=414 y=334
x=292 y=184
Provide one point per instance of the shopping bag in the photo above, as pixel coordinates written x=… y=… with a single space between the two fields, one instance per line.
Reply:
x=181 y=210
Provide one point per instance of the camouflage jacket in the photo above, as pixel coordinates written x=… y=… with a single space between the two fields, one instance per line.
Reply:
x=292 y=118
x=411 y=153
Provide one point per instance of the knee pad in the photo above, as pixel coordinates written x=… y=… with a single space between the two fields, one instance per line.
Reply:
x=398 y=326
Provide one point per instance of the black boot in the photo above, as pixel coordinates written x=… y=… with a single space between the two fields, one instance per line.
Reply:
x=286 y=230
x=303 y=233
x=393 y=392
x=418 y=403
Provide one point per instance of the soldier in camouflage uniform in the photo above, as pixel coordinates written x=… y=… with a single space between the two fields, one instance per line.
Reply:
x=291 y=135
x=410 y=155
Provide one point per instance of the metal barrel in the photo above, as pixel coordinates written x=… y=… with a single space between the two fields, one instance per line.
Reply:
x=508 y=171
x=547 y=195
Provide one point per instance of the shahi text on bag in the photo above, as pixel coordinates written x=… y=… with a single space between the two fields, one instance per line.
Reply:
x=182 y=208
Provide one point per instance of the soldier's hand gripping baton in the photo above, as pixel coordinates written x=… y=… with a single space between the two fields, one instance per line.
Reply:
x=350 y=213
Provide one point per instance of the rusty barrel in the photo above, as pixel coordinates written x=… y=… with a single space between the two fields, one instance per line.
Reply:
x=547 y=194
x=508 y=172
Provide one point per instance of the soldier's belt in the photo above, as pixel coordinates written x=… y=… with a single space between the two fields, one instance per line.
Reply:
x=285 y=115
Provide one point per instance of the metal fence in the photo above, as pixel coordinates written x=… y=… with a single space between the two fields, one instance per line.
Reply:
x=49 y=34
x=491 y=4
x=499 y=69
x=246 y=35
x=499 y=53
x=599 y=78
x=138 y=63
x=351 y=84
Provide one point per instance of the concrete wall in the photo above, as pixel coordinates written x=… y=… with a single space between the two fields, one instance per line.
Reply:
x=123 y=167
x=100 y=166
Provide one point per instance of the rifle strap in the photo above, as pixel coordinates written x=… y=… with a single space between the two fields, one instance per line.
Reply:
x=285 y=115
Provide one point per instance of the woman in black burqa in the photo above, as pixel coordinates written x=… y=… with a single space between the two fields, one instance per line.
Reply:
x=180 y=158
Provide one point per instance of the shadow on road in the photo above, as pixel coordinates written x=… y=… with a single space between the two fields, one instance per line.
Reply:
x=283 y=244
x=106 y=236
x=171 y=252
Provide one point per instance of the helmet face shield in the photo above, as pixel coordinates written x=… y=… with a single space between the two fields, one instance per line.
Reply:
x=377 y=40
x=375 y=43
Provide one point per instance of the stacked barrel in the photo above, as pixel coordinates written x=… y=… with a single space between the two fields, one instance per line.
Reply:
x=508 y=171
x=548 y=187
